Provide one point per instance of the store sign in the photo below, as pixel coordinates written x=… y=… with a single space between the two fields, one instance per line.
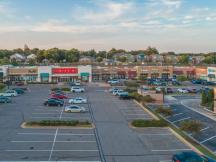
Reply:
x=64 y=70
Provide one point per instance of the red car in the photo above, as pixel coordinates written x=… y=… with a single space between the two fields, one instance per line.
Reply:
x=19 y=84
x=59 y=96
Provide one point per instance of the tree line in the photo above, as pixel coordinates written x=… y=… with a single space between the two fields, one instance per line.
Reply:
x=56 y=55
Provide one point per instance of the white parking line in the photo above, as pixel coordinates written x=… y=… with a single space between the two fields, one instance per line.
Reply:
x=165 y=161
x=53 y=150
x=54 y=140
x=59 y=134
x=47 y=117
x=44 y=110
x=204 y=128
x=162 y=134
x=171 y=150
x=208 y=139
x=137 y=114
x=44 y=113
x=177 y=114
x=181 y=119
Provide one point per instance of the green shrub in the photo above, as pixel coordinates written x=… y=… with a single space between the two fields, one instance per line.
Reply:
x=164 y=111
x=193 y=126
x=147 y=98
x=149 y=123
x=65 y=89
x=182 y=78
x=132 y=84
x=2 y=86
x=57 y=123
x=130 y=89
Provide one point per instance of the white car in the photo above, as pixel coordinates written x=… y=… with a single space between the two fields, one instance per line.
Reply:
x=77 y=100
x=74 y=108
x=77 y=84
x=117 y=92
x=114 y=81
x=9 y=93
x=77 y=89
x=111 y=90
x=182 y=90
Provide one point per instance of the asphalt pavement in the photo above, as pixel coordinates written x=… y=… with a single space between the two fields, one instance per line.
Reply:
x=112 y=139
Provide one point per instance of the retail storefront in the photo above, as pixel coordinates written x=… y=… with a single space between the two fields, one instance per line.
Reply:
x=64 y=74
x=154 y=72
x=28 y=74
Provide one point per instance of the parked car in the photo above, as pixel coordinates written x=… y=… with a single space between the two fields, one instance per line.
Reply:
x=124 y=96
x=182 y=90
x=190 y=156
x=57 y=92
x=77 y=83
x=176 y=83
x=77 y=89
x=192 y=90
x=4 y=99
x=77 y=100
x=208 y=83
x=117 y=92
x=111 y=90
x=59 y=96
x=169 y=90
x=53 y=102
x=57 y=99
x=19 y=90
x=19 y=84
x=9 y=93
x=74 y=108
x=197 y=81
x=113 y=81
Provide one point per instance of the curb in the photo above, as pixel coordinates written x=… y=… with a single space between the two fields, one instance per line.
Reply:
x=146 y=110
x=23 y=125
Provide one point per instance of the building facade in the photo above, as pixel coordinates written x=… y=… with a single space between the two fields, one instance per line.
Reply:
x=153 y=72
x=211 y=72
x=50 y=73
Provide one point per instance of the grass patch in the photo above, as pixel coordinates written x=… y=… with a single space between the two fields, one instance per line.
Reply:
x=149 y=123
x=67 y=89
x=2 y=87
x=58 y=123
x=164 y=111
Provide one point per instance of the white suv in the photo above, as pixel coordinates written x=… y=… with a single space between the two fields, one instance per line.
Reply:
x=77 y=89
x=9 y=93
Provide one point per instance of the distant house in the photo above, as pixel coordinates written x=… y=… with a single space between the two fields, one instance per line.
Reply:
x=31 y=57
x=86 y=59
x=18 y=57
x=108 y=61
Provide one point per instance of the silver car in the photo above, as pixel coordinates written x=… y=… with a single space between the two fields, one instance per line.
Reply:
x=74 y=109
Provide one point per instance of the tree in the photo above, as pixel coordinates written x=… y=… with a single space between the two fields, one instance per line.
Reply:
x=151 y=51
x=204 y=99
x=72 y=55
x=99 y=59
x=184 y=59
x=122 y=59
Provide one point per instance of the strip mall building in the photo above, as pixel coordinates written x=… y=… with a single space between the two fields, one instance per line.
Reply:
x=50 y=73
x=90 y=73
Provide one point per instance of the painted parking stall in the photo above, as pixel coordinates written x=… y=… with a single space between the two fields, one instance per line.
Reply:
x=77 y=144
x=207 y=135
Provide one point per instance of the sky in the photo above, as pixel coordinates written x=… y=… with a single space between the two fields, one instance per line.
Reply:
x=168 y=25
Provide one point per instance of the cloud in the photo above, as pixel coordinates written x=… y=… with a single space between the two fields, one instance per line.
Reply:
x=108 y=11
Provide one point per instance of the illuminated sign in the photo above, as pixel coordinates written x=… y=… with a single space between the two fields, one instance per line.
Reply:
x=64 y=70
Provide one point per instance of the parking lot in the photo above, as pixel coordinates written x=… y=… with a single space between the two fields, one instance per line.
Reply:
x=207 y=135
x=111 y=140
